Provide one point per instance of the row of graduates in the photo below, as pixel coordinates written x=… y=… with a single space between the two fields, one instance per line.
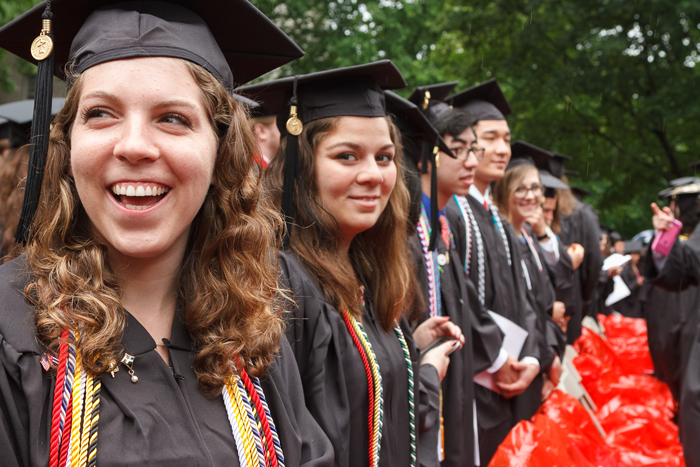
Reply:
x=475 y=255
x=148 y=250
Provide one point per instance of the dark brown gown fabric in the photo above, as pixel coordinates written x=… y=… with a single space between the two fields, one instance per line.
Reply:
x=162 y=420
x=334 y=379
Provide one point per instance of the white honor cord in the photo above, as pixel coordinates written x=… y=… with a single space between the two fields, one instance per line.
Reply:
x=472 y=228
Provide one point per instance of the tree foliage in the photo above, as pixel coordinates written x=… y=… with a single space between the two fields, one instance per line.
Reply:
x=611 y=83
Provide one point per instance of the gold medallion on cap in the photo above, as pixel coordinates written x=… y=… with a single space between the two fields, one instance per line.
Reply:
x=294 y=126
x=42 y=47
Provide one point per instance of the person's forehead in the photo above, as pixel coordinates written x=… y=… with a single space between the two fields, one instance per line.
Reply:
x=492 y=126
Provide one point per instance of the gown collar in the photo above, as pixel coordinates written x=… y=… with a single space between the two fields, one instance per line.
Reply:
x=476 y=194
x=137 y=340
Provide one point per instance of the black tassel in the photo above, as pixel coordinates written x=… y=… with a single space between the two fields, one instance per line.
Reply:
x=291 y=167
x=435 y=227
x=425 y=157
x=41 y=127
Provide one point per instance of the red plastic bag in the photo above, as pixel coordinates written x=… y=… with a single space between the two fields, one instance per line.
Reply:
x=628 y=339
x=620 y=326
x=540 y=443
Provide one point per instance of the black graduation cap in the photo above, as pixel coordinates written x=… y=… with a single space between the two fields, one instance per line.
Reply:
x=484 y=101
x=431 y=98
x=545 y=161
x=580 y=193
x=421 y=142
x=78 y=34
x=355 y=91
x=633 y=246
x=681 y=187
x=255 y=110
x=17 y=119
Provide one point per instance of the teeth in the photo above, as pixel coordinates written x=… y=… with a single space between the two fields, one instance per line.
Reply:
x=136 y=208
x=129 y=190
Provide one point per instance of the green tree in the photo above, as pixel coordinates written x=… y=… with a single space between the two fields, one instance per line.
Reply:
x=10 y=9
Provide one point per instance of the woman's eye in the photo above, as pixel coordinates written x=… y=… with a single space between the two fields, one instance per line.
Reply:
x=384 y=158
x=95 y=112
x=346 y=156
x=175 y=119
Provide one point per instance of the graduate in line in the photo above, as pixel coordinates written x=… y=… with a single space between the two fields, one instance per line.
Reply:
x=139 y=327
x=488 y=250
x=338 y=179
x=679 y=271
x=442 y=174
x=518 y=196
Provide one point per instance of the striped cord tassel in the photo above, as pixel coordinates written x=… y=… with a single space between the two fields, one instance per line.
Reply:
x=411 y=394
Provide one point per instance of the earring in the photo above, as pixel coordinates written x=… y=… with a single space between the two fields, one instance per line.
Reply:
x=128 y=361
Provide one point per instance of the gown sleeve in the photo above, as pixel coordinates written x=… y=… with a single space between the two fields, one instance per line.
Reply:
x=309 y=447
x=681 y=270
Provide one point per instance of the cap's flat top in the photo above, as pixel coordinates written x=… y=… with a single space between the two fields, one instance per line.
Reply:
x=22 y=112
x=274 y=95
x=251 y=43
x=412 y=122
x=488 y=91
x=438 y=92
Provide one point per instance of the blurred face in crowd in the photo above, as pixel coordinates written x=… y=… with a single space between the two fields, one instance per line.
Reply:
x=355 y=172
x=619 y=247
x=454 y=175
x=494 y=137
x=635 y=258
x=549 y=207
x=525 y=197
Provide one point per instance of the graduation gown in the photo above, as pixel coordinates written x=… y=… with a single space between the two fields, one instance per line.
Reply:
x=541 y=296
x=505 y=294
x=581 y=227
x=475 y=356
x=162 y=420
x=567 y=282
x=333 y=375
x=681 y=272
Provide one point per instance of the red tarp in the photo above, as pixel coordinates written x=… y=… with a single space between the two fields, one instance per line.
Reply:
x=634 y=409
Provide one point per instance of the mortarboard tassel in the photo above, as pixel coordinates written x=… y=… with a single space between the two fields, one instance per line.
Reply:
x=434 y=217
x=425 y=157
x=291 y=165
x=42 y=49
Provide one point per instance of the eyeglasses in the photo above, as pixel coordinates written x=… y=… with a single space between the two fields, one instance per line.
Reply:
x=462 y=153
x=521 y=191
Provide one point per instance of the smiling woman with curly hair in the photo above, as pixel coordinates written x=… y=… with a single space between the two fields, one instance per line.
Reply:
x=140 y=326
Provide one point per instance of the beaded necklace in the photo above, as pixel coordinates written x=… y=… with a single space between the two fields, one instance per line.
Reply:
x=431 y=264
x=472 y=229
x=76 y=413
x=499 y=226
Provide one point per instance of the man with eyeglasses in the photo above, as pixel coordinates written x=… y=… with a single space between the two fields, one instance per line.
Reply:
x=491 y=259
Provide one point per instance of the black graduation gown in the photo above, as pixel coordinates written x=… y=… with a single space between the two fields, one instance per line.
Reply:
x=630 y=306
x=333 y=375
x=682 y=271
x=475 y=356
x=159 y=421
x=505 y=294
x=582 y=227
x=541 y=296
x=567 y=283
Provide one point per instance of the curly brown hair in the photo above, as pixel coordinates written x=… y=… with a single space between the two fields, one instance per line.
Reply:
x=315 y=236
x=228 y=277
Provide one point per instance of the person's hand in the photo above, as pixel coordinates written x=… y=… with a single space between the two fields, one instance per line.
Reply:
x=537 y=222
x=555 y=371
x=576 y=253
x=439 y=359
x=506 y=374
x=614 y=271
x=640 y=280
x=526 y=373
x=435 y=327
x=662 y=219
x=558 y=312
x=564 y=324
x=547 y=387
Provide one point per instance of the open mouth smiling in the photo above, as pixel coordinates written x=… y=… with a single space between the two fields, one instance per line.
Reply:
x=138 y=196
